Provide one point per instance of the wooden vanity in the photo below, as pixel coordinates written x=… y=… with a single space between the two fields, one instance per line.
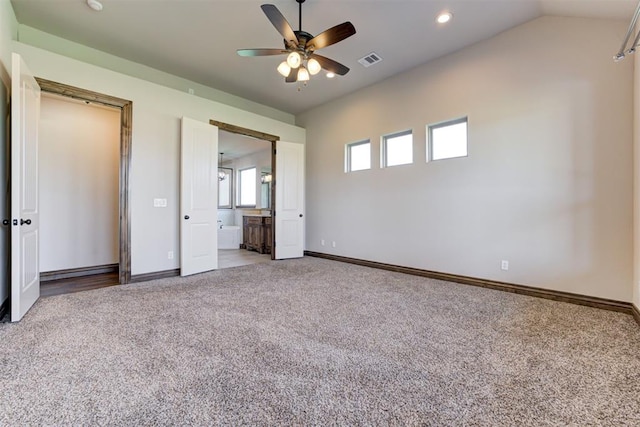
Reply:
x=256 y=233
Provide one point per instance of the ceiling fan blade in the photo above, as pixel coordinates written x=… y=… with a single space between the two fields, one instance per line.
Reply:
x=293 y=76
x=331 y=36
x=261 y=52
x=331 y=65
x=281 y=24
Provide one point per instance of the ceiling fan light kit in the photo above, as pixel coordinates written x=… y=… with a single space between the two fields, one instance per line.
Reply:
x=300 y=47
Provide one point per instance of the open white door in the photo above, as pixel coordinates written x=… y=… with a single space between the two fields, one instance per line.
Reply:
x=198 y=197
x=25 y=115
x=289 y=188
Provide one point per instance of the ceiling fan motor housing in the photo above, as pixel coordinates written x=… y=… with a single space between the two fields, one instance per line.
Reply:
x=303 y=38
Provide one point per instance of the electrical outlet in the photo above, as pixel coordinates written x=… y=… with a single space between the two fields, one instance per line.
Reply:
x=191 y=91
x=322 y=242
x=333 y=244
x=504 y=265
x=159 y=203
x=170 y=255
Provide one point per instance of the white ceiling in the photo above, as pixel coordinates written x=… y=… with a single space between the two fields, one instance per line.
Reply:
x=197 y=39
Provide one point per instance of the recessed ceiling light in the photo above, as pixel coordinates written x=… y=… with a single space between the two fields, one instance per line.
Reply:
x=95 y=5
x=330 y=75
x=444 y=17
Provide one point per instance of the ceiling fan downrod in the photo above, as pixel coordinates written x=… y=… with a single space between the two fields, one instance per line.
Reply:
x=300 y=14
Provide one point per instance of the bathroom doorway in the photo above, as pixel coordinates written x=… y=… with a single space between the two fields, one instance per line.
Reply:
x=245 y=198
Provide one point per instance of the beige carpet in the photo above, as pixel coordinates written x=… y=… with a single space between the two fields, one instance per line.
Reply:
x=316 y=342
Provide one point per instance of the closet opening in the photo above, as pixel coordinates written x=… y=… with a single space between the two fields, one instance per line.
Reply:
x=85 y=146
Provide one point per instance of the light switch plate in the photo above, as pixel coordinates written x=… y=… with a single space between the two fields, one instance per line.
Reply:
x=159 y=203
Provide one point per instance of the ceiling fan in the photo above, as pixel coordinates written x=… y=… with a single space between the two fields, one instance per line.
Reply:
x=301 y=47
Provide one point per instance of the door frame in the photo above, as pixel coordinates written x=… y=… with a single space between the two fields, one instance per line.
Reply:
x=265 y=137
x=126 y=117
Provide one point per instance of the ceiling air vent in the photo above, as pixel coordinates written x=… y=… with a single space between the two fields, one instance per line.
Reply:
x=370 y=59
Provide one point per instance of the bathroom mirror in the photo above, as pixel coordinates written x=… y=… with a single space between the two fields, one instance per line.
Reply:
x=225 y=188
x=265 y=188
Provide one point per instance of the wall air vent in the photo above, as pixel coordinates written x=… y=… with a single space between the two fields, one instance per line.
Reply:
x=370 y=59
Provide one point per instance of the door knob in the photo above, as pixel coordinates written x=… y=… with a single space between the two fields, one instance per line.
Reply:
x=23 y=222
x=186 y=217
x=300 y=215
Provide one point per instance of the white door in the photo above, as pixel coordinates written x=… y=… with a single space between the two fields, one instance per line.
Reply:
x=25 y=114
x=198 y=197
x=289 y=187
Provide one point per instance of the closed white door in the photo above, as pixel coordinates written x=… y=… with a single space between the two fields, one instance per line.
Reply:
x=198 y=197
x=289 y=212
x=25 y=113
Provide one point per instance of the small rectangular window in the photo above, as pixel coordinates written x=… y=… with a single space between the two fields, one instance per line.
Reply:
x=447 y=140
x=247 y=187
x=358 y=156
x=397 y=149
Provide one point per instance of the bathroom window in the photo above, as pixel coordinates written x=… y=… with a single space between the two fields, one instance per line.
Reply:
x=247 y=187
x=447 y=140
x=397 y=149
x=358 y=156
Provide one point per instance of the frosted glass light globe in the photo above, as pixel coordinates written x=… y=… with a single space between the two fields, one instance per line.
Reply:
x=313 y=66
x=303 y=75
x=284 y=68
x=294 y=60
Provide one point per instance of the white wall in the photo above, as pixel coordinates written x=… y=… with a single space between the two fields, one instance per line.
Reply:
x=155 y=148
x=79 y=162
x=548 y=181
x=8 y=32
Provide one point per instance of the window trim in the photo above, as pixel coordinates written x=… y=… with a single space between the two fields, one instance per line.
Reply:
x=452 y=122
x=347 y=155
x=239 y=181
x=383 y=147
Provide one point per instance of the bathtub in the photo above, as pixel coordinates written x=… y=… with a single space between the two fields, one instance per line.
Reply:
x=229 y=237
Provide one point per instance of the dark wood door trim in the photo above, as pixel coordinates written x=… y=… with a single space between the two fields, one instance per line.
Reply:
x=126 y=117
x=244 y=131
x=266 y=137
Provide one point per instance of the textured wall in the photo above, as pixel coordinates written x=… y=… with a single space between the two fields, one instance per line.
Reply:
x=548 y=181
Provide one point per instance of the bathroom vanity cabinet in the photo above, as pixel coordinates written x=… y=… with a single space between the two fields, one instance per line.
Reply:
x=257 y=234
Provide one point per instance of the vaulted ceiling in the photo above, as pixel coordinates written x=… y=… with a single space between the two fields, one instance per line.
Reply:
x=197 y=39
